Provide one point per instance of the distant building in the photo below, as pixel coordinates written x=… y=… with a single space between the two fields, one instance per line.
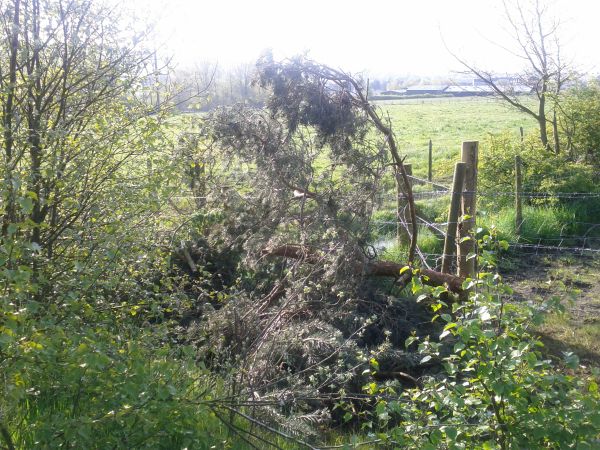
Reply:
x=509 y=84
x=433 y=89
x=393 y=92
x=521 y=89
x=469 y=91
x=500 y=80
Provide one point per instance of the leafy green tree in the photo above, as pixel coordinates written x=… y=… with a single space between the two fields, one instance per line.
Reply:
x=580 y=121
x=67 y=69
x=87 y=169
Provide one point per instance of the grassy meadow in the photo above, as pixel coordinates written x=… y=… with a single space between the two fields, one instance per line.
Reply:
x=448 y=122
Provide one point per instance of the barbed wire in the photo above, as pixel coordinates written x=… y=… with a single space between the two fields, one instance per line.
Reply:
x=424 y=181
x=561 y=195
x=554 y=248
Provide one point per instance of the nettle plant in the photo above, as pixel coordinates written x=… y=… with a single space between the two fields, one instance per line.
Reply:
x=496 y=388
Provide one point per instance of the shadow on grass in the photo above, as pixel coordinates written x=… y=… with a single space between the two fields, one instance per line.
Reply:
x=555 y=347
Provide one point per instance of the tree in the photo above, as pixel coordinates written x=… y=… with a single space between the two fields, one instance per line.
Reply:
x=579 y=119
x=67 y=69
x=537 y=44
x=77 y=203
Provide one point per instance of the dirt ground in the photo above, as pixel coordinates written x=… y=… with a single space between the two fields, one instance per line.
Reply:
x=576 y=280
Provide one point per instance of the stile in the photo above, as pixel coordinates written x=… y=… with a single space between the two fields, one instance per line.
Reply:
x=467 y=244
x=450 y=240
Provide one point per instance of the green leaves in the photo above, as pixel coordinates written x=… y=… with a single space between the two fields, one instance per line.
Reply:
x=497 y=387
x=571 y=360
x=404 y=269
x=26 y=204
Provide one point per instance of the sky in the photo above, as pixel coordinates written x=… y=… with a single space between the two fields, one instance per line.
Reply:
x=380 y=37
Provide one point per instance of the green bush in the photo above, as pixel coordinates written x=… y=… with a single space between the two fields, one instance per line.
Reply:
x=544 y=174
x=579 y=121
x=497 y=389
x=543 y=171
x=79 y=370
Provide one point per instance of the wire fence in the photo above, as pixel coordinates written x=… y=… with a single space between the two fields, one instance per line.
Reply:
x=540 y=235
x=448 y=99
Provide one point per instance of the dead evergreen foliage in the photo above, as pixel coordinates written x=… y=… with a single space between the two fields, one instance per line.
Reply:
x=297 y=332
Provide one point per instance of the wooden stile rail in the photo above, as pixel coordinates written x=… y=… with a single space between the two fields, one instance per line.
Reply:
x=450 y=240
x=467 y=244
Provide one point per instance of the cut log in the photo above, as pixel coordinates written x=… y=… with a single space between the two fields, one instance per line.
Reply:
x=371 y=268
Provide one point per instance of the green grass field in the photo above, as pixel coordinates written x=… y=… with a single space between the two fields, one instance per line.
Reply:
x=448 y=122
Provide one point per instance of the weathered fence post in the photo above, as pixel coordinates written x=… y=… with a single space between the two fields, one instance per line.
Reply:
x=450 y=241
x=430 y=171
x=402 y=219
x=467 y=244
x=518 y=191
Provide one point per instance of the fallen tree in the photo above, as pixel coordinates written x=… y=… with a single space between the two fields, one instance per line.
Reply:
x=373 y=268
x=300 y=86
x=301 y=323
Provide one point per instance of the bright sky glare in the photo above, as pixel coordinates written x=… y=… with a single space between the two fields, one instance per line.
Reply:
x=380 y=37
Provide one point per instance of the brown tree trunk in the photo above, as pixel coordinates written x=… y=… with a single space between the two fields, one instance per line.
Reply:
x=542 y=121
x=543 y=131
x=34 y=122
x=555 y=133
x=372 y=268
x=7 y=121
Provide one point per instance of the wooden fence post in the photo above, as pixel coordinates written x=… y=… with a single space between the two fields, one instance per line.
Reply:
x=450 y=241
x=430 y=171
x=402 y=232
x=518 y=191
x=467 y=244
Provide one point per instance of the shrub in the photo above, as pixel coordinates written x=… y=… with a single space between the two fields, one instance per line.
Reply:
x=543 y=171
x=580 y=122
x=496 y=389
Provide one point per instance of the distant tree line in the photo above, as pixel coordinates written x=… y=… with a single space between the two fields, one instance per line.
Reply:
x=207 y=86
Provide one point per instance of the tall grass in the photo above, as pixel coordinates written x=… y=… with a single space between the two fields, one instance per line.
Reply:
x=538 y=222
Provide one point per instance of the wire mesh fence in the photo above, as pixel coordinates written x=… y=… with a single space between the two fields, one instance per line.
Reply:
x=541 y=235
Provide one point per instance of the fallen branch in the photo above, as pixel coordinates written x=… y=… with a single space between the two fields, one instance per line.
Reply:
x=372 y=268
x=428 y=276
